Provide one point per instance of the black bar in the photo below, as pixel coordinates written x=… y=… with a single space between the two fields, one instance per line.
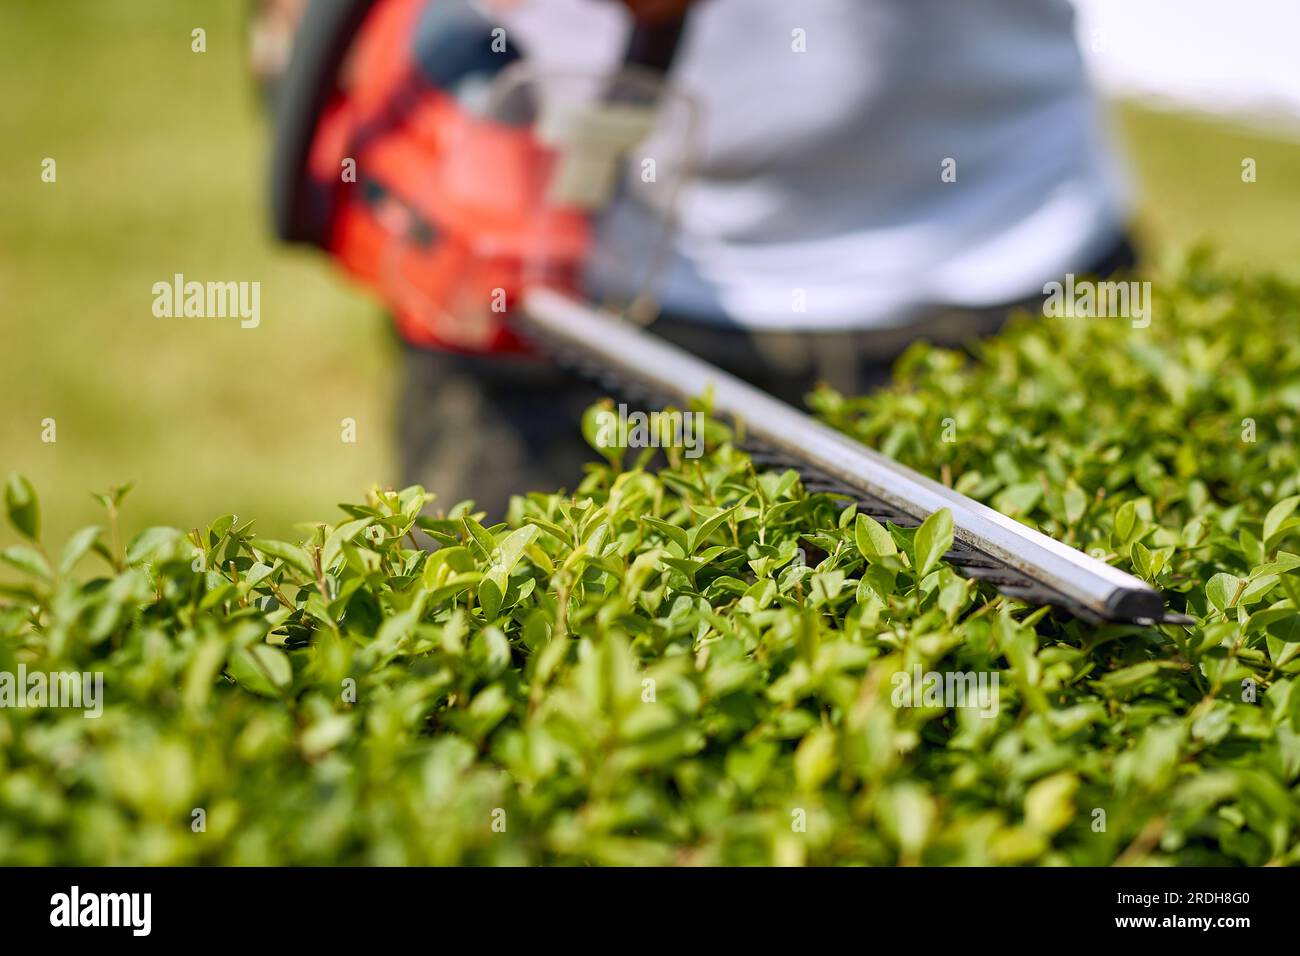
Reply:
x=927 y=906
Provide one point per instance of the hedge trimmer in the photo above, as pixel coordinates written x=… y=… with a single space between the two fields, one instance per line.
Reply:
x=413 y=145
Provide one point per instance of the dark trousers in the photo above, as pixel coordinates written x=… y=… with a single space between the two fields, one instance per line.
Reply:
x=487 y=427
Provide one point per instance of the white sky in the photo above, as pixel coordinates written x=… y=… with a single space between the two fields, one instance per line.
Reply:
x=1238 y=57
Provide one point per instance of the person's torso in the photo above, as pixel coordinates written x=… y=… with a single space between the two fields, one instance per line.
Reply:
x=859 y=160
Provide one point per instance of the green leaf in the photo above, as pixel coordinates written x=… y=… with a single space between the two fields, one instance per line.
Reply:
x=27 y=560
x=907 y=814
x=1221 y=589
x=1076 y=503
x=1131 y=676
x=700 y=534
x=77 y=546
x=290 y=554
x=22 y=507
x=151 y=543
x=1048 y=803
x=1018 y=499
x=672 y=532
x=489 y=598
x=261 y=669
x=480 y=536
x=1256 y=589
x=507 y=555
x=1125 y=521
x=1283 y=530
x=340 y=536
x=1251 y=548
x=454 y=586
x=1284 y=562
x=933 y=540
x=1278 y=514
x=815 y=760
x=599 y=428
x=873 y=540
x=1283 y=638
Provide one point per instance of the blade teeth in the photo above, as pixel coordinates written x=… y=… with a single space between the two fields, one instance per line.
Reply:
x=970 y=559
x=998 y=577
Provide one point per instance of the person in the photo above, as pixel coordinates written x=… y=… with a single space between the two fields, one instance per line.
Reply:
x=867 y=173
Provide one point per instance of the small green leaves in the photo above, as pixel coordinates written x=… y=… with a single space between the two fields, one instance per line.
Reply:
x=22 y=508
x=703 y=663
x=112 y=498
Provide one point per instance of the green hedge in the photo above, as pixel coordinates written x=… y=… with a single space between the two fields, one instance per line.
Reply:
x=700 y=663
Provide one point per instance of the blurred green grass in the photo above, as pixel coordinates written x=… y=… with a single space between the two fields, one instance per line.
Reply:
x=161 y=162
x=1188 y=172
x=161 y=166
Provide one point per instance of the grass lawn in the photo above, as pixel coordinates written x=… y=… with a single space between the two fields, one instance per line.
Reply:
x=1188 y=170
x=160 y=158
x=161 y=161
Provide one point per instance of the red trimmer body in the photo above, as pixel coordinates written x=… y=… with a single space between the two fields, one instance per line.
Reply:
x=444 y=210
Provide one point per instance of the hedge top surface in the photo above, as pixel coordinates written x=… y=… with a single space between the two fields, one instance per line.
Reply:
x=703 y=663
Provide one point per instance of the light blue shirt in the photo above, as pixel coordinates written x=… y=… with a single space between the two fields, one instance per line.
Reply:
x=818 y=198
